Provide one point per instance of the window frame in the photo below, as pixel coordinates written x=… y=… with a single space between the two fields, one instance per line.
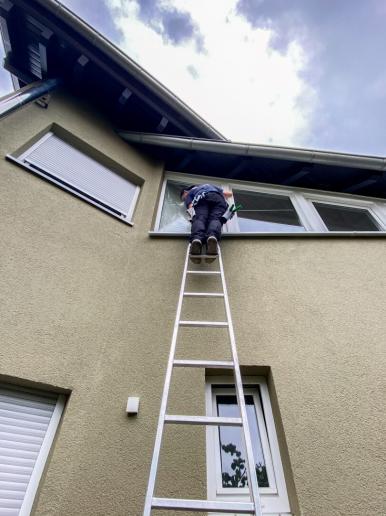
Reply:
x=292 y=196
x=301 y=199
x=372 y=208
x=173 y=176
x=20 y=159
x=274 y=499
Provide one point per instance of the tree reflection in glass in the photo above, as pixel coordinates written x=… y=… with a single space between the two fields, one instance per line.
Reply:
x=233 y=457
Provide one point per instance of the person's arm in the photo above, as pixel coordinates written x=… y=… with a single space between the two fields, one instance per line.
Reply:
x=227 y=195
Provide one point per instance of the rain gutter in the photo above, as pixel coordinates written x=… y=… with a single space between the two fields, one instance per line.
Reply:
x=254 y=150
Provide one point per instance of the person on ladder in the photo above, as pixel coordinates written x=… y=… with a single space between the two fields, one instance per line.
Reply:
x=206 y=206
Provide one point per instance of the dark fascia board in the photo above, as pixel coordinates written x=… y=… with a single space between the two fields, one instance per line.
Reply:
x=64 y=16
x=254 y=150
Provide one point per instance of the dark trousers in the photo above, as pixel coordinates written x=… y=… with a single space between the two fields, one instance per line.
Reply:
x=206 y=221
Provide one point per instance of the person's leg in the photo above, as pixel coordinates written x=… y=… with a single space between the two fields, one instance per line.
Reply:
x=199 y=222
x=217 y=208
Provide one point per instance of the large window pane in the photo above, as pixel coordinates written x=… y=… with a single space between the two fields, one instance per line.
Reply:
x=266 y=212
x=344 y=218
x=172 y=217
x=233 y=457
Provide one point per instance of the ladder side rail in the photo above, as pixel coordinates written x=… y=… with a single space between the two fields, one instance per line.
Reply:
x=165 y=394
x=252 y=478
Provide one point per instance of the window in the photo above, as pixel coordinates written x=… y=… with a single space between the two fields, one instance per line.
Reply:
x=227 y=479
x=275 y=209
x=66 y=166
x=346 y=218
x=172 y=214
x=262 y=211
x=28 y=422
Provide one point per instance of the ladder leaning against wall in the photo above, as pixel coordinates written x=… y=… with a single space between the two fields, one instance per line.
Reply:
x=151 y=502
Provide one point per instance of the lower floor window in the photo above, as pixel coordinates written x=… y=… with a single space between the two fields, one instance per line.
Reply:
x=227 y=467
x=28 y=422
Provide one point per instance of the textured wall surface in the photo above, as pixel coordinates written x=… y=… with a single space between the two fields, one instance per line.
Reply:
x=88 y=306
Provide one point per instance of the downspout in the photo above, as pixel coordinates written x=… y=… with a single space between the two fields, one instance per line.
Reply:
x=24 y=96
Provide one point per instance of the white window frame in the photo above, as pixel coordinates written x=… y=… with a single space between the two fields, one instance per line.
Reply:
x=302 y=200
x=373 y=208
x=172 y=176
x=274 y=499
x=21 y=160
x=293 y=197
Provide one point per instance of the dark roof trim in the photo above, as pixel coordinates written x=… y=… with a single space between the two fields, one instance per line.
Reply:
x=254 y=150
x=130 y=65
x=63 y=16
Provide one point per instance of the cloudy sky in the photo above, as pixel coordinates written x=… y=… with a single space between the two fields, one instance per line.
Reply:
x=308 y=73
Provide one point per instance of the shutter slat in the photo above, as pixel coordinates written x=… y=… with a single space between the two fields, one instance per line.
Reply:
x=17 y=461
x=20 y=436
x=20 y=470
x=21 y=407
x=25 y=415
x=8 y=427
x=10 y=512
x=82 y=172
x=27 y=424
x=14 y=477
x=20 y=394
x=7 y=494
x=7 y=503
x=13 y=486
x=19 y=447
x=10 y=451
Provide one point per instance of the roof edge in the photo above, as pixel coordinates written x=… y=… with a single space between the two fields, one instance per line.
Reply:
x=256 y=150
x=120 y=58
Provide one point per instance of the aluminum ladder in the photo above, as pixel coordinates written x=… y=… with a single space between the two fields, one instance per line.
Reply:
x=226 y=507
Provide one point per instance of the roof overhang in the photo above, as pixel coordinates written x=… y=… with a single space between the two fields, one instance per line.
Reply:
x=321 y=170
x=43 y=39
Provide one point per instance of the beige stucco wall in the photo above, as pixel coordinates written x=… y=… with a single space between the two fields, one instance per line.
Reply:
x=88 y=306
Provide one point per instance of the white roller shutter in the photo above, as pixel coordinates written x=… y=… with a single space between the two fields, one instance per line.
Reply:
x=28 y=421
x=65 y=165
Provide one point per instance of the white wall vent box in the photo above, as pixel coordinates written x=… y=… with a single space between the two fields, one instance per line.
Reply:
x=132 y=405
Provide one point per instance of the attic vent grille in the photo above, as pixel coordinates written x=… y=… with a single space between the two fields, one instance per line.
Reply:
x=34 y=59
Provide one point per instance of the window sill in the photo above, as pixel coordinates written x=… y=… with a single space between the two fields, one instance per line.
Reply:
x=308 y=234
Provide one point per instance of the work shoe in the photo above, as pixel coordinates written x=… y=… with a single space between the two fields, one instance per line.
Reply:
x=195 y=249
x=211 y=248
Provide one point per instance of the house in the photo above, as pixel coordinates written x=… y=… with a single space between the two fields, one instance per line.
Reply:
x=93 y=243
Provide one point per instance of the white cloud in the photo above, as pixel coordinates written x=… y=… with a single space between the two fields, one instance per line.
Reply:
x=242 y=87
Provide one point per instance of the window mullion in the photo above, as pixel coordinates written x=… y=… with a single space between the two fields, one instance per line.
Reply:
x=380 y=211
x=307 y=213
x=232 y=226
x=315 y=220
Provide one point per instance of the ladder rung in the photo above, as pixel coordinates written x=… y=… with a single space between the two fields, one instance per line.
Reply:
x=211 y=256
x=203 y=294
x=204 y=420
x=213 y=324
x=215 y=364
x=203 y=272
x=203 y=506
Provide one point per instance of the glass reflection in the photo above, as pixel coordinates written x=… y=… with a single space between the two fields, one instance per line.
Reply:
x=233 y=458
x=172 y=216
x=345 y=218
x=262 y=212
